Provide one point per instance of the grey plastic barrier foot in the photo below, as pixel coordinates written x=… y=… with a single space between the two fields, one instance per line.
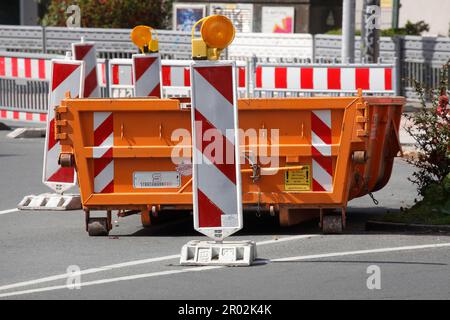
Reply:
x=51 y=202
x=227 y=253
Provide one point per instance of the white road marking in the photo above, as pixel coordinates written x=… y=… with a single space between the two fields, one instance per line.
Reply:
x=197 y=269
x=9 y=211
x=131 y=263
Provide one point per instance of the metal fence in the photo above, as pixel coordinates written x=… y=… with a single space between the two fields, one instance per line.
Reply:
x=418 y=58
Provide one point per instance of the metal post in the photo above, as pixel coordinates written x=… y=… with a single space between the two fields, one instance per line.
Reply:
x=395 y=13
x=372 y=31
x=348 y=31
x=362 y=42
x=107 y=75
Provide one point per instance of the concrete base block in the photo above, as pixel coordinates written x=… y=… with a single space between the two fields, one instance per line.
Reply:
x=27 y=133
x=210 y=253
x=51 y=202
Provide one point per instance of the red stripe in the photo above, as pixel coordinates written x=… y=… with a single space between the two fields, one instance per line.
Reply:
x=387 y=79
x=221 y=78
x=115 y=73
x=62 y=175
x=2 y=66
x=27 y=67
x=166 y=75
x=209 y=215
x=100 y=164
x=281 y=78
x=103 y=130
x=326 y=163
x=103 y=73
x=156 y=92
x=306 y=78
x=316 y=186
x=3 y=113
x=14 y=67
x=259 y=77
x=41 y=67
x=109 y=188
x=320 y=128
x=142 y=64
x=362 y=78
x=187 y=77
x=219 y=160
x=90 y=83
x=43 y=117
x=334 y=78
x=16 y=115
x=82 y=50
x=29 y=116
x=315 y=152
x=51 y=135
x=241 y=77
x=61 y=71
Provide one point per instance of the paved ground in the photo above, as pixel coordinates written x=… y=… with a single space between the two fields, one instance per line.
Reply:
x=36 y=249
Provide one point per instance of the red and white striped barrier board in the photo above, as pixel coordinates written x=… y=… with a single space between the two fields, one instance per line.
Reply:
x=322 y=165
x=25 y=68
x=23 y=116
x=85 y=52
x=102 y=152
x=147 y=75
x=374 y=78
x=66 y=76
x=216 y=179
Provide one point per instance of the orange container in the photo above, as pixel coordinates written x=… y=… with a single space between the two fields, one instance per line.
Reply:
x=326 y=151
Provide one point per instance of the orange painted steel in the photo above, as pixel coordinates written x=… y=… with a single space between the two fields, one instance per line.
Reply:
x=142 y=128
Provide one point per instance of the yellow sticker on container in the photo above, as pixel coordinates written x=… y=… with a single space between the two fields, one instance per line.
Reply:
x=298 y=180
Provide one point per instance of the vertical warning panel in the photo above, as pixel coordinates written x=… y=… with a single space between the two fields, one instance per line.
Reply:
x=85 y=52
x=147 y=75
x=66 y=76
x=216 y=170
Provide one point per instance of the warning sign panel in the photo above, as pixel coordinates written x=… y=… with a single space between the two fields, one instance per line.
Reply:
x=298 y=180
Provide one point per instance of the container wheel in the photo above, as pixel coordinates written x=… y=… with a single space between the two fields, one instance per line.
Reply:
x=146 y=218
x=332 y=224
x=98 y=227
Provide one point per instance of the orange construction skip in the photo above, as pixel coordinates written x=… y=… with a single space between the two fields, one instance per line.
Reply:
x=303 y=157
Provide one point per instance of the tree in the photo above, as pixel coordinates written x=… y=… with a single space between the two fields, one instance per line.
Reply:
x=111 y=13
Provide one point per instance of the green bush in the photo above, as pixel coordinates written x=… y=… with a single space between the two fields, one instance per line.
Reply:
x=111 y=13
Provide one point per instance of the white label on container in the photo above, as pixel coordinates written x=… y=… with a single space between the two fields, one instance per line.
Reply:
x=156 y=179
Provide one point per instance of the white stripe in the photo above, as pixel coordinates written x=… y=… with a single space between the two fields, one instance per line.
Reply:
x=125 y=75
x=322 y=147
x=104 y=177
x=149 y=79
x=48 y=69
x=51 y=161
x=320 y=79
x=129 y=264
x=37 y=117
x=215 y=185
x=9 y=211
x=98 y=152
x=177 y=77
x=268 y=77
x=100 y=74
x=99 y=118
x=23 y=116
x=35 y=68
x=205 y=268
x=8 y=67
x=348 y=79
x=321 y=176
x=376 y=79
x=324 y=115
x=21 y=67
x=208 y=100
x=293 y=78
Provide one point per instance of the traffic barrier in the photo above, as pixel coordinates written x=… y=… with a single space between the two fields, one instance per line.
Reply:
x=67 y=76
x=86 y=52
x=147 y=75
x=341 y=79
x=362 y=153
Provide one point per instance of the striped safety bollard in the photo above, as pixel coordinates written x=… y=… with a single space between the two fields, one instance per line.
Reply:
x=85 y=51
x=322 y=166
x=66 y=76
x=147 y=75
x=102 y=152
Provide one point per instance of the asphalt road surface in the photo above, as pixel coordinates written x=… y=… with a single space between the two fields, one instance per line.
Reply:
x=37 y=248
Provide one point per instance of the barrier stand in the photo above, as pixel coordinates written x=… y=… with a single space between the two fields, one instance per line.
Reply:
x=217 y=195
x=146 y=66
x=66 y=76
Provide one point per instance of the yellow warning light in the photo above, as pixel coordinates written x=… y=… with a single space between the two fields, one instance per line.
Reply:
x=142 y=37
x=217 y=33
